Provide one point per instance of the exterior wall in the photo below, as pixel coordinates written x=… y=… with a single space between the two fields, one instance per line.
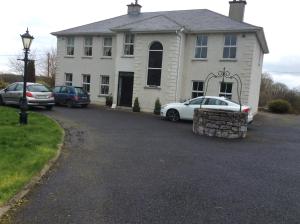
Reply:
x=197 y=69
x=78 y=64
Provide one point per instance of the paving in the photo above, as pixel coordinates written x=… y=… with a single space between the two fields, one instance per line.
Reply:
x=119 y=167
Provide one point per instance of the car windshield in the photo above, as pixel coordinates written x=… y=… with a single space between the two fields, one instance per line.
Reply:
x=79 y=91
x=38 y=88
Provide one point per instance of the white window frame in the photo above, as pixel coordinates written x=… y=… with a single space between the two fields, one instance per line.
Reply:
x=230 y=45
x=152 y=68
x=70 y=45
x=85 y=82
x=67 y=81
x=107 y=46
x=87 y=46
x=201 y=46
x=104 y=84
x=128 y=44
x=226 y=94
x=197 y=91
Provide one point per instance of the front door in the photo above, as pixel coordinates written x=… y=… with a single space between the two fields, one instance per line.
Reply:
x=125 y=89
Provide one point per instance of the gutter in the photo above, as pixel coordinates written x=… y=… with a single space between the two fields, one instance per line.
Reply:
x=178 y=59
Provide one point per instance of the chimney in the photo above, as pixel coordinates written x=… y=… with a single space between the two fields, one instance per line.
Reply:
x=134 y=8
x=237 y=10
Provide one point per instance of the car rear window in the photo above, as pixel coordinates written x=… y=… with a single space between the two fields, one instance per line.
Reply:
x=79 y=91
x=38 y=88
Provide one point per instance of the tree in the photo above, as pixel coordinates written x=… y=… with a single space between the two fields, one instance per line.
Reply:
x=49 y=64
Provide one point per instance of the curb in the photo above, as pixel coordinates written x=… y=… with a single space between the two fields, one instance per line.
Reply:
x=35 y=179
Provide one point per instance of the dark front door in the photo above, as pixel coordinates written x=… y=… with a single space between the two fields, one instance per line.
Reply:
x=125 y=89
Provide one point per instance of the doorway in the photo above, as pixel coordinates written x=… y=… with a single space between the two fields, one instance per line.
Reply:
x=125 y=89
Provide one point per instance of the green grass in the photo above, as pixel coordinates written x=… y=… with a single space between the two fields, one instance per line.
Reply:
x=24 y=150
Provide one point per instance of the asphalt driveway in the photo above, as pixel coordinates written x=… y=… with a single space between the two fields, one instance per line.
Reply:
x=124 y=168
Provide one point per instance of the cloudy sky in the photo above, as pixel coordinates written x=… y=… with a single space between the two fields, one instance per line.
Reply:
x=280 y=20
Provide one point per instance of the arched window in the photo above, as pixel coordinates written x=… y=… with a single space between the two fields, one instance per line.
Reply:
x=155 y=64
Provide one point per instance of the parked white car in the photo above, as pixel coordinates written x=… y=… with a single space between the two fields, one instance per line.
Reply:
x=185 y=110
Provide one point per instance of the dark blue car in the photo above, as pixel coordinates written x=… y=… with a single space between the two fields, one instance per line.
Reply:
x=71 y=96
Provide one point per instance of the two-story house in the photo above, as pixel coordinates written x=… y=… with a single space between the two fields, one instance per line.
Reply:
x=165 y=55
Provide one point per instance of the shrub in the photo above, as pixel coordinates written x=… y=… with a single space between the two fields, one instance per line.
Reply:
x=279 y=106
x=3 y=84
x=109 y=100
x=136 y=105
x=157 y=107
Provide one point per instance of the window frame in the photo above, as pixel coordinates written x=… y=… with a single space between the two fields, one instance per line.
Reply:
x=104 y=84
x=86 y=85
x=68 y=82
x=152 y=68
x=197 y=91
x=89 y=47
x=201 y=46
x=226 y=94
x=68 y=45
x=128 y=44
x=107 y=46
x=230 y=46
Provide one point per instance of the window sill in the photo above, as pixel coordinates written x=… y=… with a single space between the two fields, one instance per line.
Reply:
x=103 y=95
x=228 y=60
x=127 y=56
x=106 y=57
x=87 y=57
x=199 y=59
x=69 y=56
x=152 y=87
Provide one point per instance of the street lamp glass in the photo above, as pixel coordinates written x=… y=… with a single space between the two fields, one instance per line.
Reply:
x=27 y=39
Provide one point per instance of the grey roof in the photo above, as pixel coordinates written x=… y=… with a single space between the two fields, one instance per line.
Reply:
x=193 y=21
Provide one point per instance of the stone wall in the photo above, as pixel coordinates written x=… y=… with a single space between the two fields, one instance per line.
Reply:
x=220 y=123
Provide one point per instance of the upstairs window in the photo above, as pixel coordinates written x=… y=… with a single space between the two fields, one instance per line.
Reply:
x=129 y=44
x=230 y=46
x=226 y=89
x=68 y=79
x=107 y=46
x=155 y=64
x=201 y=46
x=70 y=46
x=197 y=89
x=86 y=82
x=88 y=46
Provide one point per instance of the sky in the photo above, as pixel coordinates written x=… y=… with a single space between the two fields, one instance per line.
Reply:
x=280 y=20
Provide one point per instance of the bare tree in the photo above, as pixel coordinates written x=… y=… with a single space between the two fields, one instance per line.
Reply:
x=16 y=63
x=49 y=64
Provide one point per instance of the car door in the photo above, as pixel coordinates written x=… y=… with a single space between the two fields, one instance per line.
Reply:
x=189 y=108
x=8 y=93
x=17 y=94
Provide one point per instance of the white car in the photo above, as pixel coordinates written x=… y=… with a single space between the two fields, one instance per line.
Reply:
x=185 y=110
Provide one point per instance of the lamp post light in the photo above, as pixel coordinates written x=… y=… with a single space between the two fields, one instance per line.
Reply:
x=26 y=39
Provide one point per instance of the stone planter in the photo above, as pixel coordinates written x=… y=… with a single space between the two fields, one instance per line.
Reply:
x=220 y=123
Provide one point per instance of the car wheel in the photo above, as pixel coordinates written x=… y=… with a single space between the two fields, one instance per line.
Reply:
x=173 y=115
x=49 y=107
x=70 y=103
x=1 y=101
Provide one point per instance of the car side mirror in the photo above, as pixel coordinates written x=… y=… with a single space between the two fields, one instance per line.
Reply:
x=187 y=103
x=5 y=90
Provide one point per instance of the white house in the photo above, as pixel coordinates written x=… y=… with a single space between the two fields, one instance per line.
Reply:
x=165 y=55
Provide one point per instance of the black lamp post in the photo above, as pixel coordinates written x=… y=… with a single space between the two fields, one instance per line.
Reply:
x=26 y=39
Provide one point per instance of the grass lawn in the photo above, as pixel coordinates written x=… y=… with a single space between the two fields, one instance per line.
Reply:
x=24 y=150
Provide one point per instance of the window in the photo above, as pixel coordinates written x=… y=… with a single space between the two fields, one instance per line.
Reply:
x=70 y=46
x=86 y=82
x=64 y=89
x=104 y=85
x=215 y=102
x=129 y=44
x=107 y=46
x=226 y=89
x=197 y=89
x=88 y=46
x=230 y=46
x=196 y=101
x=69 y=77
x=201 y=47
x=155 y=64
x=11 y=87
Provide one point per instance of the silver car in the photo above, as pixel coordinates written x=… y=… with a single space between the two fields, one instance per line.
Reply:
x=36 y=94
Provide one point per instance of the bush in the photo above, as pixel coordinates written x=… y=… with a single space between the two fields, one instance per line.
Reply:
x=3 y=84
x=157 y=107
x=136 y=105
x=279 y=106
x=109 y=100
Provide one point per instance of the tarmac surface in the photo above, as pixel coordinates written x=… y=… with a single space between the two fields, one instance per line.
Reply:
x=119 y=167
